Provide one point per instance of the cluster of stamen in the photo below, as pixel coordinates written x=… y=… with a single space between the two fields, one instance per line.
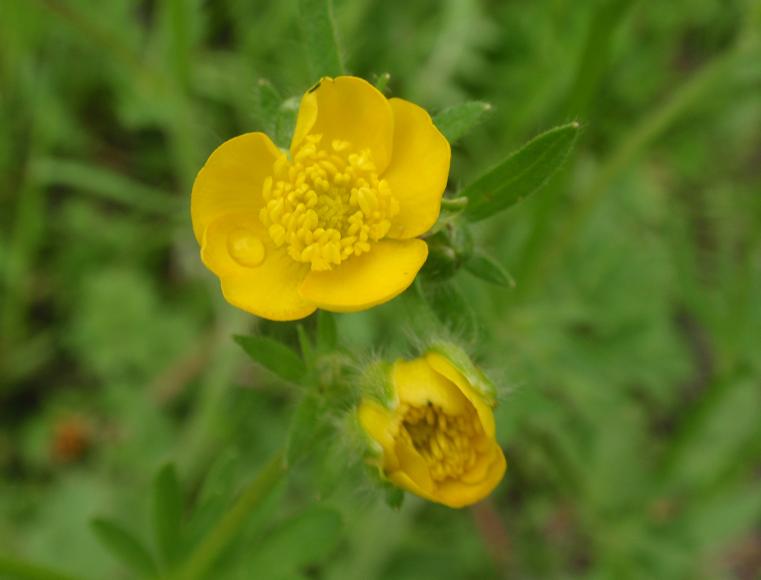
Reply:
x=327 y=203
x=448 y=443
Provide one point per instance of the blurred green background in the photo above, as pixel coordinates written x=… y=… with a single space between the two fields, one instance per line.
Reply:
x=629 y=354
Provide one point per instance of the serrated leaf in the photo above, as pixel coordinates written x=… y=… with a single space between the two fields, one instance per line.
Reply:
x=124 y=547
x=320 y=40
x=521 y=174
x=304 y=540
x=327 y=332
x=274 y=356
x=487 y=268
x=167 y=513
x=455 y=122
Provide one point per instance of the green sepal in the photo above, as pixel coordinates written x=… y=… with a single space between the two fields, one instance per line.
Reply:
x=448 y=250
x=394 y=496
x=377 y=383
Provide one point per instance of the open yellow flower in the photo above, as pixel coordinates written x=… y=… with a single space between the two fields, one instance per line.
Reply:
x=335 y=223
x=434 y=433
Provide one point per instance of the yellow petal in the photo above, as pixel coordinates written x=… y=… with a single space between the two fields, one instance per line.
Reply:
x=256 y=276
x=446 y=369
x=456 y=494
x=401 y=479
x=379 y=423
x=349 y=109
x=418 y=170
x=413 y=465
x=484 y=461
x=417 y=384
x=365 y=281
x=231 y=179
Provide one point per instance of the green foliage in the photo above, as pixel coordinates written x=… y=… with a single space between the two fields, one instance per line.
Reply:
x=521 y=174
x=457 y=121
x=167 y=513
x=625 y=358
x=274 y=356
x=124 y=546
x=316 y=532
x=320 y=43
x=487 y=268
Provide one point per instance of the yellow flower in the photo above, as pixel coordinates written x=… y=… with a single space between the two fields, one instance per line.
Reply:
x=335 y=223
x=434 y=433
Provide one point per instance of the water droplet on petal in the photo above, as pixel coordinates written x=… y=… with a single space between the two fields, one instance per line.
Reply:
x=245 y=248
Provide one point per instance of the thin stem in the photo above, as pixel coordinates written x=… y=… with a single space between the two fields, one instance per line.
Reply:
x=231 y=523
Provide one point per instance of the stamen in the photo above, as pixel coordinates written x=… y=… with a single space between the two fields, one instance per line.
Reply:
x=327 y=204
x=449 y=443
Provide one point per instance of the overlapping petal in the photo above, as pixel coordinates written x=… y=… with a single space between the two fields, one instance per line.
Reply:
x=255 y=275
x=349 y=109
x=367 y=280
x=431 y=446
x=232 y=178
x=418 y=170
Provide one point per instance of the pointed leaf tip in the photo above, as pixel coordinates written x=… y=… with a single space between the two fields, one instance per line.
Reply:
x=521 y=173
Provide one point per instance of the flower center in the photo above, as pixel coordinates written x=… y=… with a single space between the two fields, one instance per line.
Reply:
x=446 y=442
x=327 y=204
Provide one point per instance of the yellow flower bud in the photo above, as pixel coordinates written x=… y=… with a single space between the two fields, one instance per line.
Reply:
x=434 y=435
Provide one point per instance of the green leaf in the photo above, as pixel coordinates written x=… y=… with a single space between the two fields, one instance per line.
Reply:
x=327 y=332
x=274 y=356
x=487 y=268
x=286 y=121
x=221 y=476
x=267 y=103
x=304 y=540
x=521 y=174
x=167 y=512
x=125 y=547
x=455 y=122
x=320 y=41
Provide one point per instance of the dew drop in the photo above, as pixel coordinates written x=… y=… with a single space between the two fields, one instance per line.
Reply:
x=245 y=248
